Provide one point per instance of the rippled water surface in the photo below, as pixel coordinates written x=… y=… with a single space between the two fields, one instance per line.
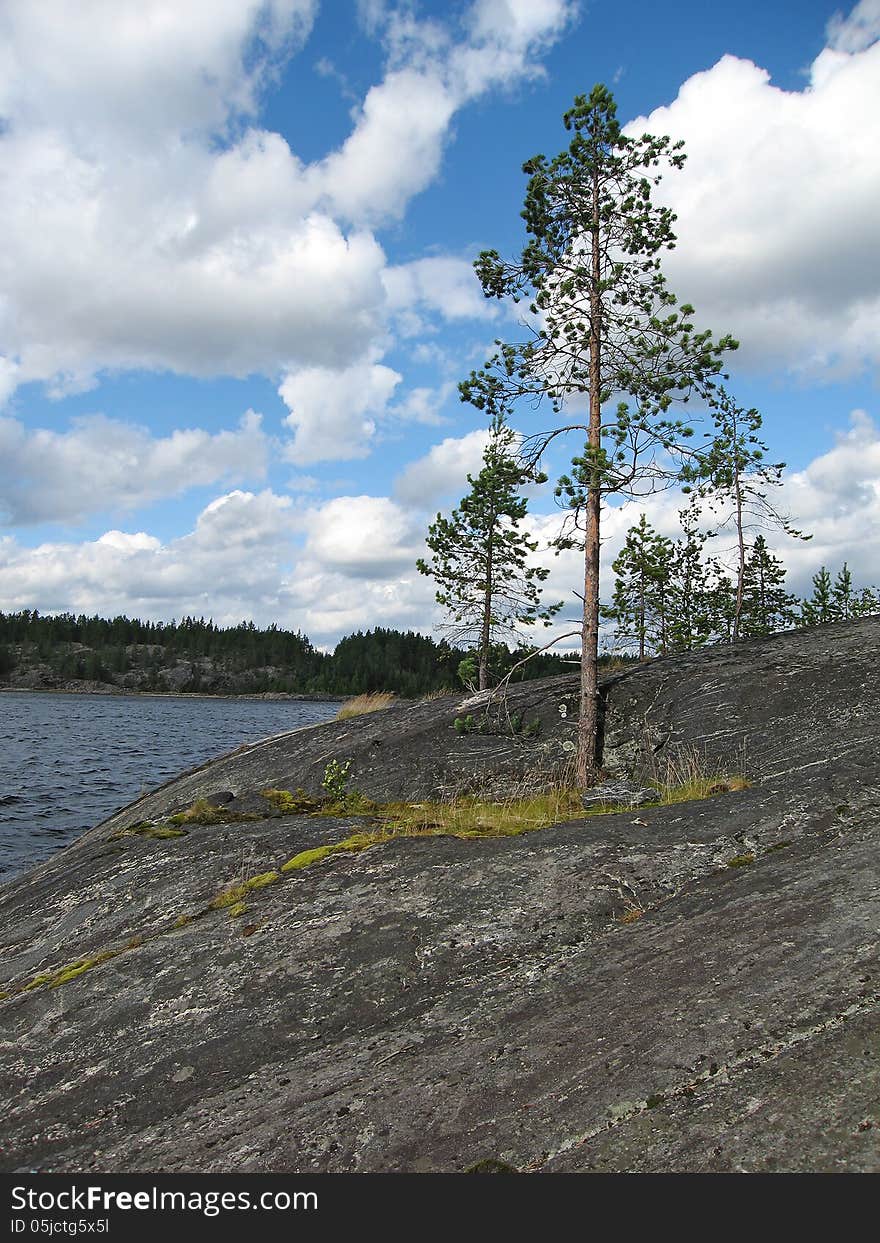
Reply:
x=69 y=761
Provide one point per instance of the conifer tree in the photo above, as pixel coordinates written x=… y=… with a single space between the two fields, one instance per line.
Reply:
x=480 y=555
x=604 y=327
x=866 y=603
x=731 y=473
x=838 y=600
x=842 y=594
x=688 y=620
x=720 y=602
x=820 y=606
x=766 y=606
x=639 y=606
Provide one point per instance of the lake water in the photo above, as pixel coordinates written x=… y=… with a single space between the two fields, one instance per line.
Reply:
x=69 y=761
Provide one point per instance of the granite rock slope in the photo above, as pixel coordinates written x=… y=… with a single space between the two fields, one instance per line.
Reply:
x=684 y=987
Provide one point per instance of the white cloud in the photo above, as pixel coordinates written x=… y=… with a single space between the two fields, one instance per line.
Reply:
x=442 y=285
x=521 y=23
x=149 y=70
x=363 y=537
x=333 y=413
x=442 y=471
x=243 y=559
x=397 y=144
x=8 y=379
x=349 y=563
x=394 y=151
x=103 y=465
x=777 y=208
x=836 y=498
x=149 y=222
x=233 y=565
x=855 y=31
x=424 y=405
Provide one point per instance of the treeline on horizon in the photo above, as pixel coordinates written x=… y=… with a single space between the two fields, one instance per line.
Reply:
x=266 y=659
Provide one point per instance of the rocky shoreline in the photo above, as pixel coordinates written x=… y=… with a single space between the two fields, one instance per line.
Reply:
x=684 y=987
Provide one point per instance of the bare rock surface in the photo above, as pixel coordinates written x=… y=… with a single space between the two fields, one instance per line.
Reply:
x=692 y=986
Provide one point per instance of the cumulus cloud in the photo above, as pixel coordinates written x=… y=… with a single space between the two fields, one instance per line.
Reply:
x=395 y=149
x=103 y=465
x=777 y=204
x=150 y=70
x=8 y=379
x=232 y=565
x=443 y=470
x=397 y=144
x=836 y=498
x=439 y=285
x=349 y=563
x=244 y=558
x=149 y=222
x=333 y=413
x=363 y=536
x=424 y=405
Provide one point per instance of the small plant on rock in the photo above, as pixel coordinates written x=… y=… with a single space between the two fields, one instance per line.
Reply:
x=336 y=780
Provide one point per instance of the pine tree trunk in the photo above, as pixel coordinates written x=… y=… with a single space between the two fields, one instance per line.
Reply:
x=487 y=618
x=588 y=724
x=587 y=769
x=741 y=547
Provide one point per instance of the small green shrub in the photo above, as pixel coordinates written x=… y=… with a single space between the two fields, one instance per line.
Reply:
x=336 y=779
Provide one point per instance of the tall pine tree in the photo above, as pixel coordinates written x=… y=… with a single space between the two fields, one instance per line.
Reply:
x=604 y=327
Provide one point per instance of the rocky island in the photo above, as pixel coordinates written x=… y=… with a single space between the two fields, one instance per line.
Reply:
x=236 y=974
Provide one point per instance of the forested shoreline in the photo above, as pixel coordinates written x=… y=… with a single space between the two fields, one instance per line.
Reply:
x=195 y=656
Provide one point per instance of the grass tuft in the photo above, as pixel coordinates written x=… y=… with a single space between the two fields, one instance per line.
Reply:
x=161 y=832
x=353 y=844
x=687 y=774
x=201 y=812
x=233 y=894
x=468 y=816
x=360 y=705
x=291 y=804
x=53 y=979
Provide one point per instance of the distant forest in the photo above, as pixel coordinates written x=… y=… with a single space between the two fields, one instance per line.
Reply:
x=194 y=655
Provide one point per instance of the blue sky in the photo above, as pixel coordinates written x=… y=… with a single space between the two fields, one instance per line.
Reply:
x=236 y=294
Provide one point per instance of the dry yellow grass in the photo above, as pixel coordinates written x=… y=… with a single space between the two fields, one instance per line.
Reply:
x=688 y=775
x=361 y=704
x=475 y=817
